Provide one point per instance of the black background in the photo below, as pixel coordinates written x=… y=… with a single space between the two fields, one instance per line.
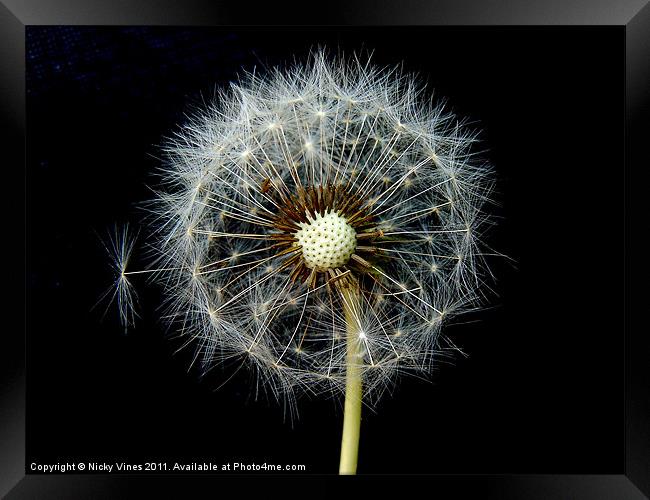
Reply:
x=541 y=389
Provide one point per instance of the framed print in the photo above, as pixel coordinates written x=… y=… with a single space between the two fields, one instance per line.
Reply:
x=399 y=244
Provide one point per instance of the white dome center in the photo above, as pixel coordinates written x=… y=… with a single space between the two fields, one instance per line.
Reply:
x=327 y=241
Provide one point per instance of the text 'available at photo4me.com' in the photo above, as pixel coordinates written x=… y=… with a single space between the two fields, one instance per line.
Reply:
x=124 y=467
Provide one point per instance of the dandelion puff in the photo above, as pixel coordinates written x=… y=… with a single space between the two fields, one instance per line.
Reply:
x=319 y=224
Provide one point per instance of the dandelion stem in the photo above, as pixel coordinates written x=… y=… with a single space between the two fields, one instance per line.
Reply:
x=353 y=390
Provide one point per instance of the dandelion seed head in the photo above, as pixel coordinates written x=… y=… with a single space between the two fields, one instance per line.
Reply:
x=299 y=182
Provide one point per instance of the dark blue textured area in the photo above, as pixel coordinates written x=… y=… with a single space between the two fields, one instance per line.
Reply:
x=87 y=56
x=138 y=62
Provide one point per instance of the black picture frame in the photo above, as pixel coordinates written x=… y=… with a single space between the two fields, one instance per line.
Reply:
x=634 y=480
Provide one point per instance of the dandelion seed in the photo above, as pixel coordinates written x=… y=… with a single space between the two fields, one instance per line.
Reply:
x=119 y=247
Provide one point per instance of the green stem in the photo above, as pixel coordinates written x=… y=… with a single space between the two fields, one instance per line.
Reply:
x=353 y=389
